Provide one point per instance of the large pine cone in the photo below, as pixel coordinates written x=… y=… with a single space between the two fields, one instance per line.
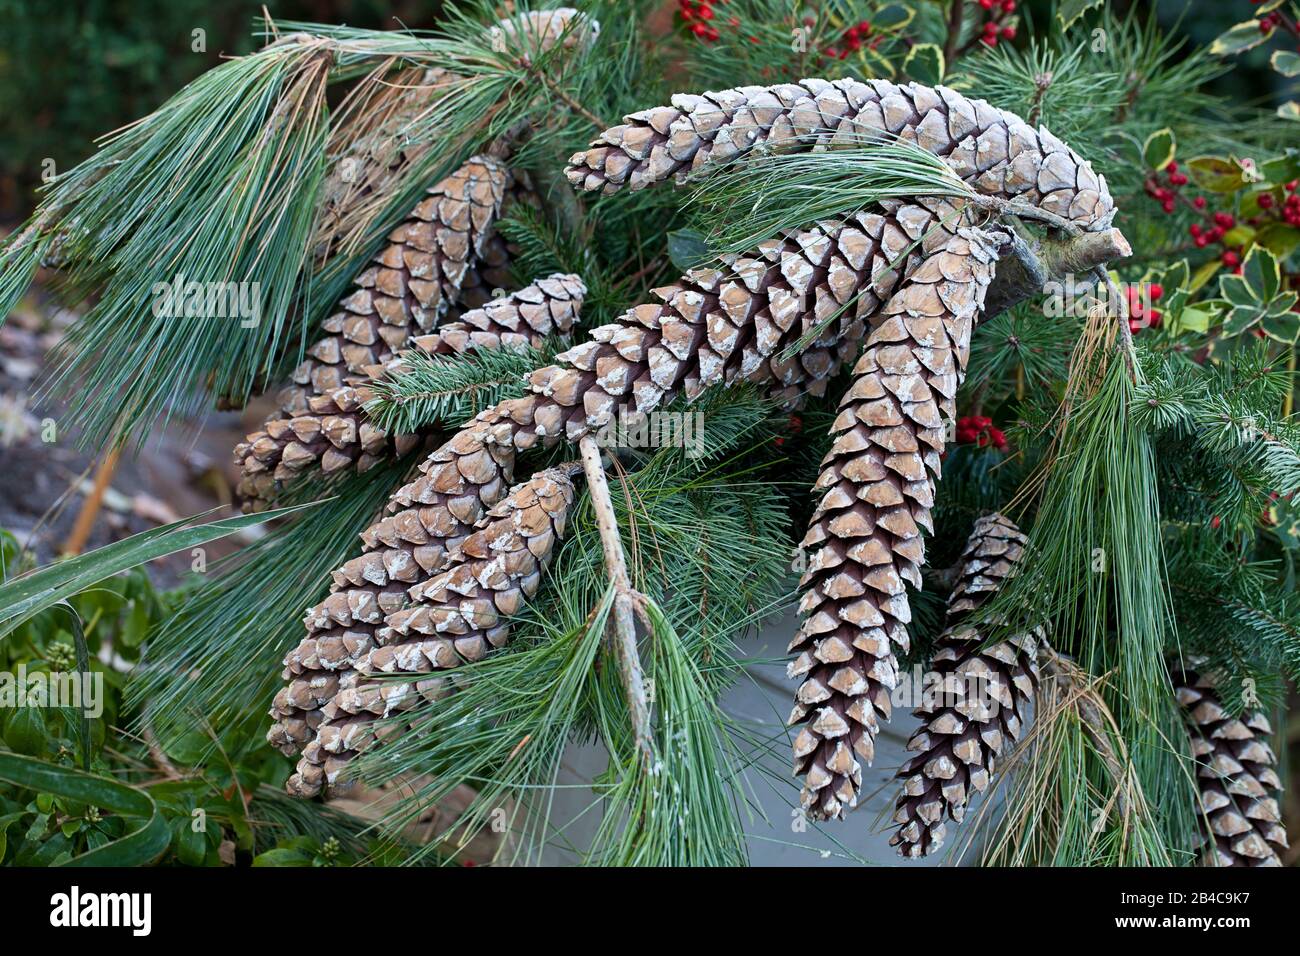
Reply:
x=864 y=541
x=982 y=700
x=462 y=616
x=1236 y=777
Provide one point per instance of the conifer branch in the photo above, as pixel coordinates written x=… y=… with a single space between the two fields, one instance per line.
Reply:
x=624 y=595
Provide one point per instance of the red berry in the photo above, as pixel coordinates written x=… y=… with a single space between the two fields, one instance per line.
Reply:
x=1216 y=234
x=1194 y=229
x=1265 y=201
x=1290 y=187
x=1230 y=259
x=990 y=27
x=986 y=4
x=1178 y=179
x=1009 y=32
x=1156 y=290
x=1167 y=205
x=1224 y=219
x=864 y=28
x=1008 y=6
x=989 y=40
x=699 y=29
x=1172 y=167
x=1216 y=521
x=1201 y=241
x=705 y=13
x=1199 y=202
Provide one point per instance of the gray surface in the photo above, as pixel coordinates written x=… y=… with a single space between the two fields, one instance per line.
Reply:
x=763 y=701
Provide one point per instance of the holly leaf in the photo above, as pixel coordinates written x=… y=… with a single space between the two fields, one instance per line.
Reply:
x=1193 y=320
x=925 y=64
x=1158 y=150
x=892 y=18
x=1278 y=238
x=1262 y=274
x=1238 y=39
x=1283 y=328
x=1204 y=274
x=1068 y=11
x=1216 y=174
x=1286 y=62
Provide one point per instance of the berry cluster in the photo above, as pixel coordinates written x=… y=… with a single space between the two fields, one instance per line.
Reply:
x=1140 y=314
x=996 y=26
x=699 y=16
x=979 y=431
x=852 y=40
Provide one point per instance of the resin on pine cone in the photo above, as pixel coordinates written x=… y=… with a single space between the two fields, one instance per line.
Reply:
x=462 y=614
x=980 y=705
x=1236 y=775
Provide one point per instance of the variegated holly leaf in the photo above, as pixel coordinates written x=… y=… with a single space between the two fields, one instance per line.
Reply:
x=1238 y=39
x=1256 y=298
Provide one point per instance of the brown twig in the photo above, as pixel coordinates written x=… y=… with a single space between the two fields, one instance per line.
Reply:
x=85 y=522
x=629 y=660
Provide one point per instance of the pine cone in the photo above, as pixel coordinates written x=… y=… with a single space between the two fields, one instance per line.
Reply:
x=428 y=519
x=371 y=150
x=412 y=283
x=983 y=702
x=877 y=484
x=654 y=351
x=333 y=434
x=460 y=618
x=1234 y=772
x=996 y=152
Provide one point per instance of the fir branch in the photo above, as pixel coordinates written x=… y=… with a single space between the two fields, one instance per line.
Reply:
x=446 y=391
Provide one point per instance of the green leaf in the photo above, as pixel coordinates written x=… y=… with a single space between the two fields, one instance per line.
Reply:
x=1158 y=150
x=687 y=249
x=1282 y=328
x=1204 y=274
x=1286 y=62
x=1239 y=320
x=893 y=17
x=1239 y=235
x=1290 y=110
x=282 y=857
x=27 y=595
x=138 y=847
x=1068 y=11
x=25 y=731
x=1262 y=273
x=925 y=64
x=1193 y=320
x=1278 y=238
x=1238 y=39
x=1216 y=174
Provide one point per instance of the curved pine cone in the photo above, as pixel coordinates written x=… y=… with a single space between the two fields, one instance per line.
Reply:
x=1235 y=774
x=428 y=519
x=983 y=699
x=407 y=290
x=460 y=618
x=997 y=152
x=333 y=434
x=864 y=541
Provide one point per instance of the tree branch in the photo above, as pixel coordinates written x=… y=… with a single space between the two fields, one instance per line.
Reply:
x=629 y=660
